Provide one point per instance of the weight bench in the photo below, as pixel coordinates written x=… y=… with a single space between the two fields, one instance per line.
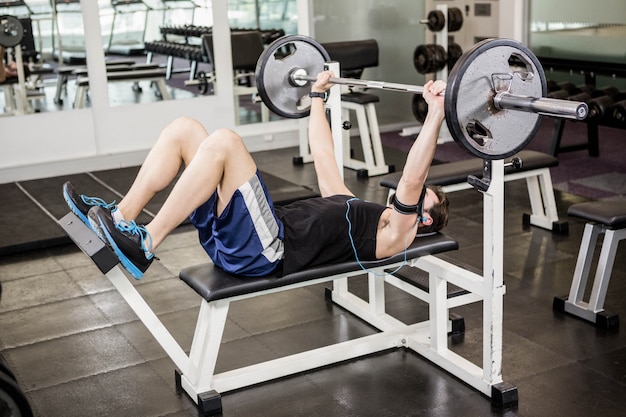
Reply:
x=535 y=168
x=608 y=218
x=195 y=372
x=155 y=75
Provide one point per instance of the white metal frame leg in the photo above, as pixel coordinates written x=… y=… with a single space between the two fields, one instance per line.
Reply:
x=369 y=132
x=575 y=303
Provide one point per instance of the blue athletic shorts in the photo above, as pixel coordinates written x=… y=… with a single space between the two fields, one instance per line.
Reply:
x=247 y=239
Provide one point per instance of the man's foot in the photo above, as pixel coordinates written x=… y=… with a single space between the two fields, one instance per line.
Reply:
x=131 y=243
x=80 y=204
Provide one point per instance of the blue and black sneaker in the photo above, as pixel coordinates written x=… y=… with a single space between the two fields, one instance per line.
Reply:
x=80 y=204
x=131 y=242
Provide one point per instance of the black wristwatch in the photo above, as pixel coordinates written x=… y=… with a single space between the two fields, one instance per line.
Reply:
x=323 y=96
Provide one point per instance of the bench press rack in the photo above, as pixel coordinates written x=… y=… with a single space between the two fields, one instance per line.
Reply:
x=195 y=372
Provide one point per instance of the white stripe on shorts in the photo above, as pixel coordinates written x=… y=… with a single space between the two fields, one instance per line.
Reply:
x=263 y=219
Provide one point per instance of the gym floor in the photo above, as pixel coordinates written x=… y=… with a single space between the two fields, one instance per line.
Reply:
x=77 y=349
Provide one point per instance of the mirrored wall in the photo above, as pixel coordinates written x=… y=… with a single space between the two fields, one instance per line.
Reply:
x=154 y=50
x=579 y=29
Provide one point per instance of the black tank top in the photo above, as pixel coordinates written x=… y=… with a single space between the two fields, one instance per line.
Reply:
x=316 y=231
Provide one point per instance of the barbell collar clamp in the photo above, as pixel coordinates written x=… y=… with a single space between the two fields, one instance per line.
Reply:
x=515 y=162
x=546 y=106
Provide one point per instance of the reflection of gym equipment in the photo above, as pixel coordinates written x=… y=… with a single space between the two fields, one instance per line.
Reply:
x=246 y=47
x=172 y=6
x=128 y=9
x=189 y=49
x=67 y=22
x=128 y=74
x=16 y=36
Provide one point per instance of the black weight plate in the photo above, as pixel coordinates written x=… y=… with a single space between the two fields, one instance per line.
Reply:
x=419 y=107
x=454 y=53
x=436 y=20
x=472 y=119
x=273 y=70
x=422 y=59
x=455 y=19
x=11 y=31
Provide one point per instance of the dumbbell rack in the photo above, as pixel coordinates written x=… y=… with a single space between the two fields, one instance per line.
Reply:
x=183 y=49
x=590 y=70
x=441 y=39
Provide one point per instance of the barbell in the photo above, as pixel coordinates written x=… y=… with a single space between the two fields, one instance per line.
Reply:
x=493 y=101
x=11 y=31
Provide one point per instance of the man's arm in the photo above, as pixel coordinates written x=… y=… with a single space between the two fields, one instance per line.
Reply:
x=421 y=154
x=329 y=177
x=401 y=228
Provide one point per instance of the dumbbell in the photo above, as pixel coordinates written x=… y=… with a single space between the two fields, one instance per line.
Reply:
x=601 y=106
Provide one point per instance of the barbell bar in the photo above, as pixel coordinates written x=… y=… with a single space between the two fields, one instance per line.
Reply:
x=502 y=100
x=494 y=98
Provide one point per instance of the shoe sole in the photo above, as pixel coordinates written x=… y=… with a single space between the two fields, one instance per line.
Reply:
x=126 y=263
x=75 y=209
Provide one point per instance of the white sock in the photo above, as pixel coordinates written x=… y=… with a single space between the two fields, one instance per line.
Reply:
x=117 y=215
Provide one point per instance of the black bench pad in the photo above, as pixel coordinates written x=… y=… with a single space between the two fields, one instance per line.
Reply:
x=609 y=213
x=213 y=283
x=360 y=98
x=457 y=172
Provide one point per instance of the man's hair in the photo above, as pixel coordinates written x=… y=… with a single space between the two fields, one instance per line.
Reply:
x=438 y=212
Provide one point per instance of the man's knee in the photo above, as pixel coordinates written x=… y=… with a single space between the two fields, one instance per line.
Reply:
x=224 y=140
x=186 y=126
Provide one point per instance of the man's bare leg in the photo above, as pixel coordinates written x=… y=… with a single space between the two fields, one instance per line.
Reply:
x=219 y=161
x=176 y=145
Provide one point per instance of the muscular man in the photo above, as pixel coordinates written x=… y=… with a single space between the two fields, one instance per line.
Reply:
x=222 y=192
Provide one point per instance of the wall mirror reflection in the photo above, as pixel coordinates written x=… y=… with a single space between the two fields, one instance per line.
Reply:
x=154 y=50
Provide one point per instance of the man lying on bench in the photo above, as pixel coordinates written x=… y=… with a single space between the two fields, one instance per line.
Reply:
x=243 y=233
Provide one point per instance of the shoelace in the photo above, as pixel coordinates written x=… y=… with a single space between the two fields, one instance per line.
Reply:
x=96 y=201
x=134 y=229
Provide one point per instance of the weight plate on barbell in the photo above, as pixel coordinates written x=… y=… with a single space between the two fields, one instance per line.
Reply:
x=277 y=63
x=472 y=119
x=11 y=31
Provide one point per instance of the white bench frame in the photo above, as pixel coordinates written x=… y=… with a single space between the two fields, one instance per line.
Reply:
x=575 y=303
